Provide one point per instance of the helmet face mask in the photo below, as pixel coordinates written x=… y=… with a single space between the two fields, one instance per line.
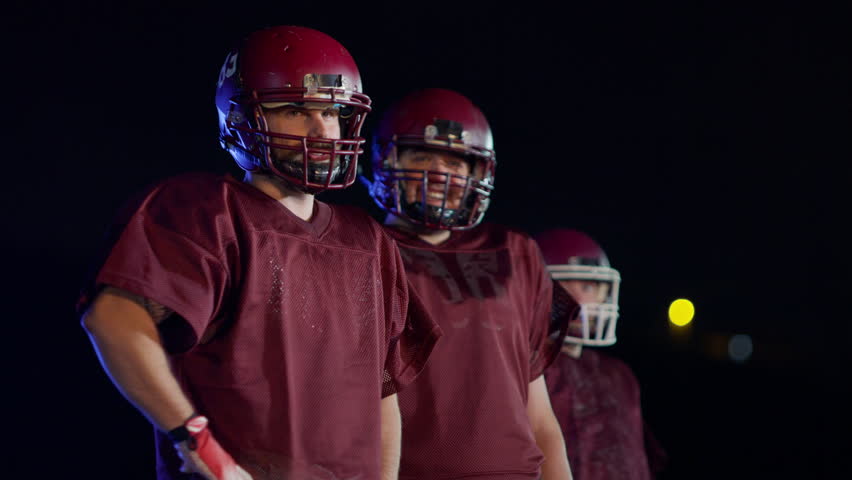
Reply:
x=267 y=72
x=317 y=163
x=446 y=124
x=595 y=289
x=439 y=200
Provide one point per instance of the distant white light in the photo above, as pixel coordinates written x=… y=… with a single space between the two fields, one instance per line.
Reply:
x=740 y=348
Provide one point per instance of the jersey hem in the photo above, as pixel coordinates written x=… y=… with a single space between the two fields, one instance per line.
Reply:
x=473 y=475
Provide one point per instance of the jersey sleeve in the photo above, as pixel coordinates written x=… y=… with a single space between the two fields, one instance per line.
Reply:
x=548 y=326
x=154 y=259
x=411 y=333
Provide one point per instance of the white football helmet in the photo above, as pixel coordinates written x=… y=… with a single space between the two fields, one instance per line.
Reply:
x=580 y=268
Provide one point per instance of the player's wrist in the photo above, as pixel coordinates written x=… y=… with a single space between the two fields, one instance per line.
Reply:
x=188 y=429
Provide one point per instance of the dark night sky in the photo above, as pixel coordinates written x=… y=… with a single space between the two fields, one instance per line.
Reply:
x=694 y=141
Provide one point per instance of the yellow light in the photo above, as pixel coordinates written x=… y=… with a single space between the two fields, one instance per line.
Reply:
x=681 y=312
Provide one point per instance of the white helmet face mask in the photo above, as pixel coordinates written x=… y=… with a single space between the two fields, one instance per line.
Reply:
x=594 y=322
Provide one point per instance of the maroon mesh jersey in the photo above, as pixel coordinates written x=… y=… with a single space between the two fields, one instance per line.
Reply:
x=287 y=333
x=466 y=415
x=596 y=400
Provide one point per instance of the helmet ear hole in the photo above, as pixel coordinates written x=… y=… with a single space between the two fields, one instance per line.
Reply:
x=227 y=141
x=346 y=111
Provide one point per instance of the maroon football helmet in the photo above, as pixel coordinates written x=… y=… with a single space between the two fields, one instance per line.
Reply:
x=437 y=120
x=573 y=255
x=289 y=65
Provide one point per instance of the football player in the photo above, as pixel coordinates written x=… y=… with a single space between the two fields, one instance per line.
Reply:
x=595 y=396
x=264 y=333
x=480 y=408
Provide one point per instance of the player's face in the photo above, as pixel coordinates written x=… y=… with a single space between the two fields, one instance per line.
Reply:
x=439 y=164
x=585 y=291
x=315 y=120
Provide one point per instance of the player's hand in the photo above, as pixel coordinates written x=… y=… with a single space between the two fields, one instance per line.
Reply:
x=202 y=454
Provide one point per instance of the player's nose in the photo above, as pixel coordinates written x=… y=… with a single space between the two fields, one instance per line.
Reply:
x=317 y=126
x=439 y=174
x=439 y=165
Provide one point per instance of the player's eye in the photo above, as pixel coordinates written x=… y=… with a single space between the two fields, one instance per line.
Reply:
x=331 y=113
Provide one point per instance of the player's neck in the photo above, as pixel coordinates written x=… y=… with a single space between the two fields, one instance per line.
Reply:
x=301 y=204
x=573 y=350
x=433 y=237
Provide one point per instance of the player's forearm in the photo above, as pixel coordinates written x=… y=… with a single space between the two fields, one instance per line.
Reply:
x=547 y=433
x=551 y=443
x=130 y=351
x=391 y=438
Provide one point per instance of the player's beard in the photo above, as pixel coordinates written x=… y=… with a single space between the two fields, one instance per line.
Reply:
x=291 y=162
